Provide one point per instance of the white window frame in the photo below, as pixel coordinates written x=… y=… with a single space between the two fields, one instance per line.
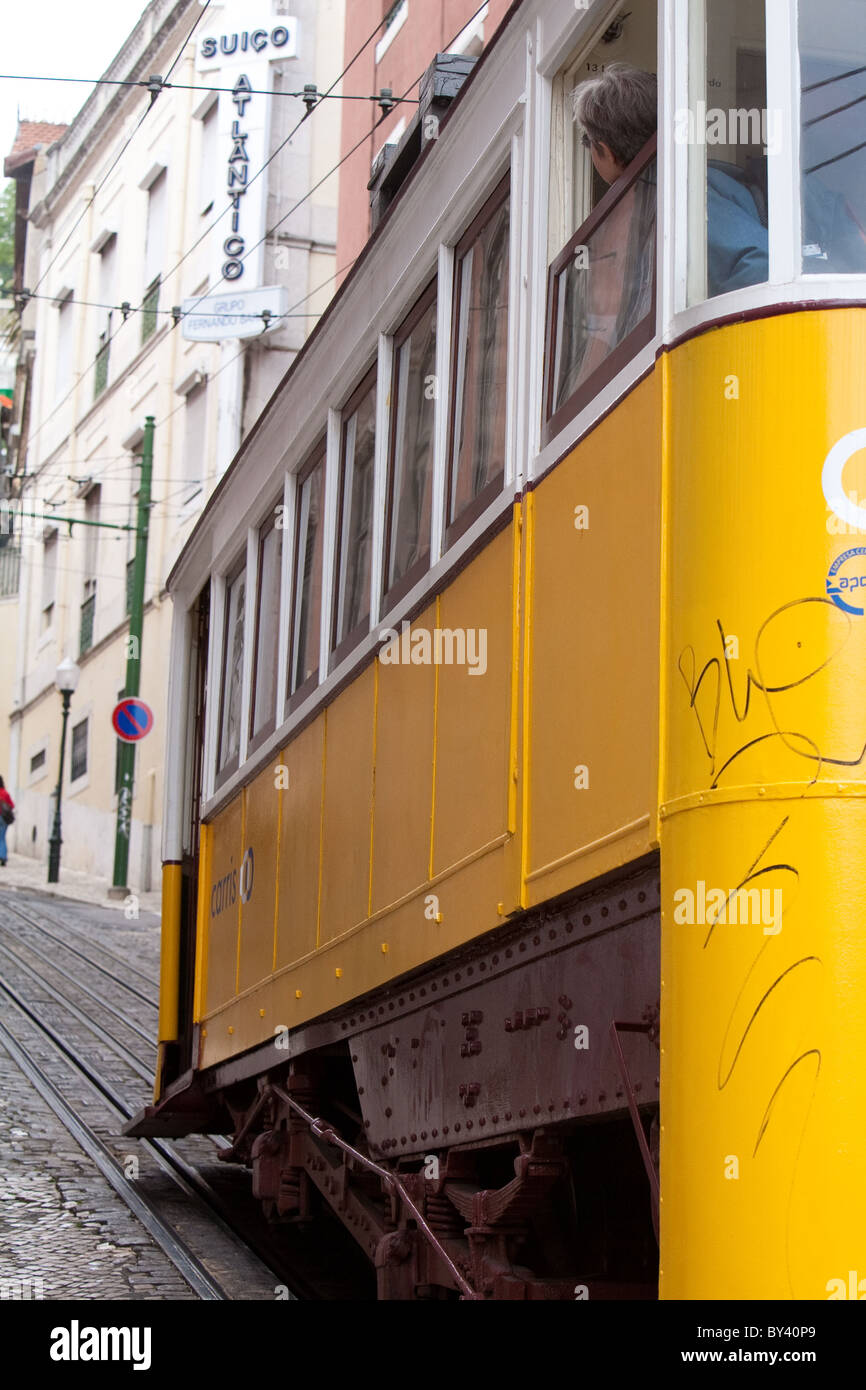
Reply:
x=153 y=273
x=192 y=498
x=46 y=632
x=65 y=304
x=570 y=46
x=471 y=37
x=207 y=109
x=390 y=34
x=786 y=282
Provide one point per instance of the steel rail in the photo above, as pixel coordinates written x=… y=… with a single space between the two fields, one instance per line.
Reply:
x=183 y=1174
x=195 y=1275
x=38 y=926
x=108 y=1039
x=91 y=993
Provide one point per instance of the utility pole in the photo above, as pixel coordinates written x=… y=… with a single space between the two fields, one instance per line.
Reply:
x=133 y=664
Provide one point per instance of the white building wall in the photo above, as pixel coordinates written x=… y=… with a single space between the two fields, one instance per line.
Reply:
x=78 y=201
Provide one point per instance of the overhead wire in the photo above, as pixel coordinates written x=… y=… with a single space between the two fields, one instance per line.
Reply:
x=57 y=469
x=221 y=215
x=272 y=156
x=277 y=224
x=148 y=84
x=270 y=231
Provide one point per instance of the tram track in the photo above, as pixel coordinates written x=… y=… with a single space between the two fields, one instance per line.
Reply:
x=186 y=1263
x=38 y=1057
x=37 y=925
x=296 y=1259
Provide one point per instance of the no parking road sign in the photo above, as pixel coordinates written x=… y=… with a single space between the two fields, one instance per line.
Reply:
x=132 y=719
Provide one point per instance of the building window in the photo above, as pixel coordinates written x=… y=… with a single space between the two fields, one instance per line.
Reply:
x=194 y=439
x=91 y=559
x=37 y=762
x=149 y=308
x=63 y=368
x=832 y=148
x=100 y=371
x=78 y=766
x=394 y=18
x=49 y=579
x=725 y=128
x=412 y=435
x=154 y=243
x=209 y=163
x=88 y=609
x=476 y=441
x=228 y=751
x=355 y=516
x=307 y=578
x=107 y=264
x=263 y=704
x=10 y=568
x=154 y=249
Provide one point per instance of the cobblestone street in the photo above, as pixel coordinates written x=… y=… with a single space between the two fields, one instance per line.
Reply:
x=63 y=1232
x=87 y=974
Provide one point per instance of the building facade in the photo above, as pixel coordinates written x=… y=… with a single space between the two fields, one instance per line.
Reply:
x=393 y=58
x=145 y=228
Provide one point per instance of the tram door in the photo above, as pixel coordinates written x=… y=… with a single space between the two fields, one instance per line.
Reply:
x=192 y=821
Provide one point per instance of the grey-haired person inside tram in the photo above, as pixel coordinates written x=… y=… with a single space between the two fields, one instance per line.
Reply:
x=618 y=113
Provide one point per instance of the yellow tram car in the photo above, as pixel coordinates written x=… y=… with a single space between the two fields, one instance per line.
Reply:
x=515 y=788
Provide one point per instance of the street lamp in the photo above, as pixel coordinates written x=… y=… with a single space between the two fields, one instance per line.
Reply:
x=65 y=679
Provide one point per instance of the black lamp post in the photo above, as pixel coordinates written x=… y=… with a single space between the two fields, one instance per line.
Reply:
x=65 y=679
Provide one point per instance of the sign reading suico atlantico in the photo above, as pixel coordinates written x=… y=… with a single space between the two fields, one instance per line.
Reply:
x=237 y=54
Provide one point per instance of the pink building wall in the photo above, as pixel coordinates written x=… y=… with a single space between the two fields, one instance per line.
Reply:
x=430 y=28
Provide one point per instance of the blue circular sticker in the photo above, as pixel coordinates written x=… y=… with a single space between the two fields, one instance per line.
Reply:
x=842 y=587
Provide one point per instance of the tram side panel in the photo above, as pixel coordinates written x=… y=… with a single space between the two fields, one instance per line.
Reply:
x=592 y=644
x=431 y=801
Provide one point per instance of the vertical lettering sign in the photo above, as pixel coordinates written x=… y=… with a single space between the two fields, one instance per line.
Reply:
x=234 y=246
x=237 y=54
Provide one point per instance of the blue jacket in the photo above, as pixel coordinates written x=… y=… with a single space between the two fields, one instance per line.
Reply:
x=737 y=249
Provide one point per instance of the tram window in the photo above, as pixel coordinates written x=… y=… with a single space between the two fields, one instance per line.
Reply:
x=832 y=148
x=232 y=674
x=601 y=292
x=410 y=472
x=601 y=281
x=729 y=132
x=355 y=516
x=307 y=584
x=476 y=442
x=575 y=185
x=263 y=704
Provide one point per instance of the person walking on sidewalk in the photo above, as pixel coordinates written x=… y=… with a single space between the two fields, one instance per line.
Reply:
x=7 y=806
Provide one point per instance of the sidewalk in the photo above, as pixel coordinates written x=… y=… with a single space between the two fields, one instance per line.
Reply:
x=23 y=873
